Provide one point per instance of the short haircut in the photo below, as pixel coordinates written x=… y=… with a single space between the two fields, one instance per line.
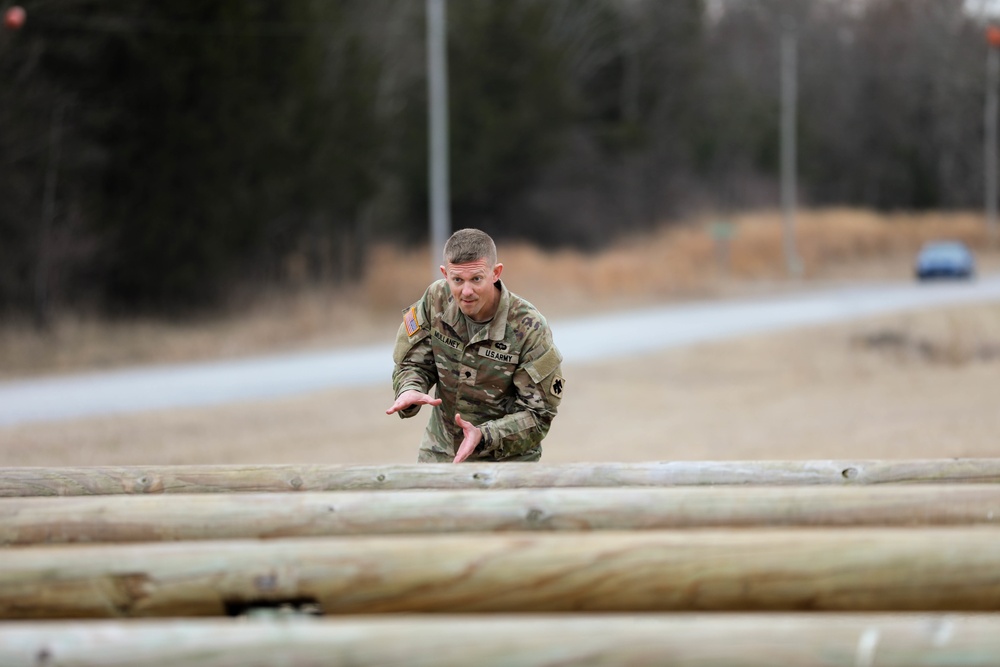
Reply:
x=468 y=245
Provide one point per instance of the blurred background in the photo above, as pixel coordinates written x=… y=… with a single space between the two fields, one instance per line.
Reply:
x=205 y=178
x=164 y=156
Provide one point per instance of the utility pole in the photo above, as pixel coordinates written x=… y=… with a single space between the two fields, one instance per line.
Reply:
x=990 y=132
x=437 y=94
x=789 y=95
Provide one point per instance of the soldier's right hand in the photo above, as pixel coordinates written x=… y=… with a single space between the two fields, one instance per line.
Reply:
x=412 y=397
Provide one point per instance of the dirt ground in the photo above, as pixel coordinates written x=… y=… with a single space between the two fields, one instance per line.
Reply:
x=910 y=385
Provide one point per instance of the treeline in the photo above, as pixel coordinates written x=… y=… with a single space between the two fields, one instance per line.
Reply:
x=157 y=155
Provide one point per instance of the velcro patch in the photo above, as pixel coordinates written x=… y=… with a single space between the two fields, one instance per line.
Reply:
x=541 y=368
x=410 y=322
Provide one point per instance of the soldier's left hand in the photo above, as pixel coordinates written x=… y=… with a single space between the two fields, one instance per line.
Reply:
x=473 y=436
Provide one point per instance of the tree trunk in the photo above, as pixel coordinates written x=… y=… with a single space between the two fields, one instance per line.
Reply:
x=49 y=481
x=845 y=569
x=698 y=640
x=326 y=514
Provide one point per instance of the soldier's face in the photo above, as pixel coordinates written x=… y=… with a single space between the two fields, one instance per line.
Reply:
x=472 y=286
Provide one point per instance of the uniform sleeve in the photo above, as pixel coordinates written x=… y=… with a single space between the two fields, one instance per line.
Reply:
x=538 y=386
x=413 y=355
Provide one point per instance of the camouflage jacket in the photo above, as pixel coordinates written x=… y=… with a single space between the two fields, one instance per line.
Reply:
x=506 y=379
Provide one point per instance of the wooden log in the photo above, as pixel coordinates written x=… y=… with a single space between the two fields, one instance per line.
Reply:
x=88 y=480
x=848 y=569
x=312 y=514
x=697 y=640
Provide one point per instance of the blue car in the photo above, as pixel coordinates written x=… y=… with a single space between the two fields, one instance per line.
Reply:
x=945 y=259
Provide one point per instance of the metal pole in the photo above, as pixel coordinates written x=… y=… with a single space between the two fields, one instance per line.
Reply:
x=789 y=94
x=437 y=89
x=990 y=144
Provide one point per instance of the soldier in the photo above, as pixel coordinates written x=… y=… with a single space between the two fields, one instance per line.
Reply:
x=489 y=352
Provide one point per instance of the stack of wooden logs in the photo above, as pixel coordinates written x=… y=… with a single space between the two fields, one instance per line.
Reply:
x=828 y=563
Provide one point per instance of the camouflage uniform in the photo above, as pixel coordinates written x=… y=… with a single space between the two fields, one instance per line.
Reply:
x=505 y=379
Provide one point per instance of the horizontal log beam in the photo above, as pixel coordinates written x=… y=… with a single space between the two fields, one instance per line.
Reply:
x=847 y=569
x=312 y=514
x=698 y=640
x=49 y=481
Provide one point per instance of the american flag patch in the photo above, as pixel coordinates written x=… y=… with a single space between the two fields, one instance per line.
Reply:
x=410 y=322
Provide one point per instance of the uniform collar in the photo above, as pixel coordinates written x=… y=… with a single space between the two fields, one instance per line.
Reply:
x=498 y=328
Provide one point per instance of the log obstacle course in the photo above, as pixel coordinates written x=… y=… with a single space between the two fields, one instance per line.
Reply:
x=145 y=518
x=951 y=569
x=840 y=563
x=654 y=640
x=82 y=481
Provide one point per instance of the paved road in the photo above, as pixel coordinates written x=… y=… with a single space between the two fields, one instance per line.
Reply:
x=580 y=340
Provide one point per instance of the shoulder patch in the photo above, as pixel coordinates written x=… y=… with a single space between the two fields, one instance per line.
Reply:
x=556 y=388
x=410 y=322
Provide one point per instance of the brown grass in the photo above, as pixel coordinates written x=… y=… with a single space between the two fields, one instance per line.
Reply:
x=677 y=262
x=274 y=322
x=685 y=260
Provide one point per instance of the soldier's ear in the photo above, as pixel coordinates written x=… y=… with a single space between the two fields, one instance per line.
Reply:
x=444 y=272
x=497 y=270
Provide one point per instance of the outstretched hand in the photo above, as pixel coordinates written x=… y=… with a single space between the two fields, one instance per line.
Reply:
x=411 y=397
x=473 y=436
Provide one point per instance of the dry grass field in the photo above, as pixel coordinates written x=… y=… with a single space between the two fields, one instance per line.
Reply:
x=908 y=385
